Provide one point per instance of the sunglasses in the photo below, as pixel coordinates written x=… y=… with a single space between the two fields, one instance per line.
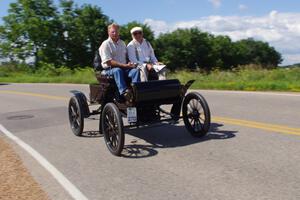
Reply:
x=137 y=33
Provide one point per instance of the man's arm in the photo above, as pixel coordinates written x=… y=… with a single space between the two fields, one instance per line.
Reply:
x=106 y=57
x=114 y=63
x=152 y=55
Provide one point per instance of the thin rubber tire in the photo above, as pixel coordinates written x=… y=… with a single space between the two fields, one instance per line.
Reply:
x=76 y=116
x=112 y=128
x=196 y=114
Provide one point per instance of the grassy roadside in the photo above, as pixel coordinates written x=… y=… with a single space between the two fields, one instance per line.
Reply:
x=243 y=79
x=246 y=79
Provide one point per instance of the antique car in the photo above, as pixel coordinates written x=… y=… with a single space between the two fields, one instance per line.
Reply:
x=146 y=105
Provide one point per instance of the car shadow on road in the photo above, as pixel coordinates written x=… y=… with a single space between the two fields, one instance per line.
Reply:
x=91 y=134
x=168 y=136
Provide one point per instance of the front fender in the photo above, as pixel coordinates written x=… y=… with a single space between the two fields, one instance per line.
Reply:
x=83 y=101
x=186 y=86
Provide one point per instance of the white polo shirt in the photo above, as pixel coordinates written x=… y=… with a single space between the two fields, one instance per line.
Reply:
x=110 y=50
x=140 y=53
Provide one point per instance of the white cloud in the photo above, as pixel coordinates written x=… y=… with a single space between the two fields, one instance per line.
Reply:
x=292 y=58
x=215 y=3
x=281 y=30
x=157 y=26
x=242 y=7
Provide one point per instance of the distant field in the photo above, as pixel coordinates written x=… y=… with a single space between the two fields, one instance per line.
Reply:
x=243 y=79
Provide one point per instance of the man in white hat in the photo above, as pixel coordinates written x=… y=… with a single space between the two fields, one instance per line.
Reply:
x=141 y=52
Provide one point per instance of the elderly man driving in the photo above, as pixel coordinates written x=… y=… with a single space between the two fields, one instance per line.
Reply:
x=113 y=55
x=141 y=52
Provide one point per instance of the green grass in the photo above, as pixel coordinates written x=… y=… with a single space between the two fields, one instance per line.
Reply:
x=247 y=79
x=47 y=74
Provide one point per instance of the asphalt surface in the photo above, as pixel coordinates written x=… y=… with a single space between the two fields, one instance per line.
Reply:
x=236 y=160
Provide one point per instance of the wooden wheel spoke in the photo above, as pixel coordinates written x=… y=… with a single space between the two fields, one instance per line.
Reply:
x=111 y=129
x=114 y=140
x=78 y=121
x=189 y=108
x=201 y=124
x=191 y=104
x=106 y=122
x=73 y=112
x=112 y=120
x=74 y=121
x=195 y=125
x=199 y=107
x=190 y=115
x=193 y=101
x=203 y=119
x=192 y=120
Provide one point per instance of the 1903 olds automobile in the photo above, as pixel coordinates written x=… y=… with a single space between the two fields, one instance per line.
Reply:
x=143 y=108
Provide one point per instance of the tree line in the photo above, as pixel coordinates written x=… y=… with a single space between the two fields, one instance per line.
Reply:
x=38 y=32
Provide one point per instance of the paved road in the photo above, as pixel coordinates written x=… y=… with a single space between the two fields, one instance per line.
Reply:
x=251 y=152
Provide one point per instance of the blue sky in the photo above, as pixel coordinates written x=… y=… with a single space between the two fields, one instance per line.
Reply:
x=123 y=11
x=273 y=21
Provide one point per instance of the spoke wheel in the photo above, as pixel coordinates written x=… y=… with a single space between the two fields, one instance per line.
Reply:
x=196 y=114
x=112 y=128
x=76 y=116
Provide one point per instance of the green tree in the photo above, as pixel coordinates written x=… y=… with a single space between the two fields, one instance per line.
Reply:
x=185 y=48
x=224 y=52
x=84 y=28
x=125 y=31
x=29 y=31
x=261 y=53
x=35 y=30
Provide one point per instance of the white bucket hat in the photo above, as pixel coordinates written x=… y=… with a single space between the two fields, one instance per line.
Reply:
x=135 y=29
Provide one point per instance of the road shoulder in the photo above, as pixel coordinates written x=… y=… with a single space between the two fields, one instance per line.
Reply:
x=16 y=181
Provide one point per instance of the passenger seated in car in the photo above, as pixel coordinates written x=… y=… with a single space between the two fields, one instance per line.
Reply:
x=141 y=52
x=113 y=55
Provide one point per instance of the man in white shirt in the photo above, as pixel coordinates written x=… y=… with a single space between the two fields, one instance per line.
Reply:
x=141 y=52
x=113 y=55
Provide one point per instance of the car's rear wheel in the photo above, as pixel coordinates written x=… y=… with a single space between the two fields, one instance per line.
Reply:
x=112 y=128
x=76 y=116
x=196 y=114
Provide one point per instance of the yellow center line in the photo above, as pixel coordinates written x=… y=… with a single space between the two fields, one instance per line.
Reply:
x=245 y=123
x=45 y=96
x=258 y=125
x=273 y=126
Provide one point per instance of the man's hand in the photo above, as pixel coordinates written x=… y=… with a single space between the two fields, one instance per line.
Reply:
x=159 y=63
x=149 y=66
x=130 y=65
x=114 y=63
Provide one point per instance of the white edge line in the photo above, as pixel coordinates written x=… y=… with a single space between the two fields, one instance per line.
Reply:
x=66 y=184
